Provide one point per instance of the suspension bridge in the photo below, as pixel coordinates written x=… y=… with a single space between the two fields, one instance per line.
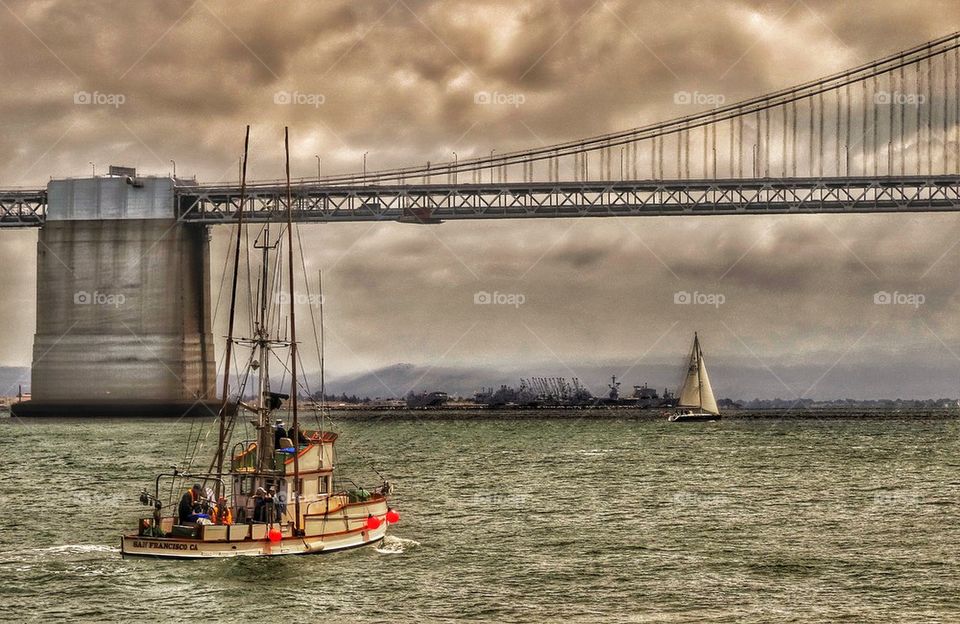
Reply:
x=883 y=137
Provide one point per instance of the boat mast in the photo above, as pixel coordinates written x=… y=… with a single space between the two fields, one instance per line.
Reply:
x=264 y=437
x=221 y=440
x=323 y=387
x=293 y=340
x=696 y=348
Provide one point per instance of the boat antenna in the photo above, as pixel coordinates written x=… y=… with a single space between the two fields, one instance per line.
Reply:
x=293 y=338
x=323 y=377
x=221 y=440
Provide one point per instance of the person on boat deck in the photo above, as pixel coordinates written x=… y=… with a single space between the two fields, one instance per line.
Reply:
x=222 y=513
x=279 y=507
x=189 y=509
x=295 y=433
x=278 y=433
x=260 y=501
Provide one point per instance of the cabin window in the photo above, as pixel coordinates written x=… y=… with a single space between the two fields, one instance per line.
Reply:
x=247 y=485
x=322 y=485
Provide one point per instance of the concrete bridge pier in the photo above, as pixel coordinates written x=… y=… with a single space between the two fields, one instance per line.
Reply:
x=123 y=311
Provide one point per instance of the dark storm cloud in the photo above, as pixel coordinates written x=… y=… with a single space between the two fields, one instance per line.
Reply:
x=398 y=79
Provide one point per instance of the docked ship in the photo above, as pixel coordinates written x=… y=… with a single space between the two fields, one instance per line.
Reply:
x=695 y=400
x=275 y=492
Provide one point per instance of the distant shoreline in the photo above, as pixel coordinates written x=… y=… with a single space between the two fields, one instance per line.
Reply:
x=626 y=413
x=468 y=413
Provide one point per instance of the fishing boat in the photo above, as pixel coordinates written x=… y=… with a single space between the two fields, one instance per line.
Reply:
x=695 y=402
x=272 y=492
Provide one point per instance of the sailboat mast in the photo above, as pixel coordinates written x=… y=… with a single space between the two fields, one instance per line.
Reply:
x=696 y=347
x=221 y=439
x=293 y=339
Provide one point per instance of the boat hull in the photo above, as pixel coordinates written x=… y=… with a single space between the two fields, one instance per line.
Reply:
x=180 y=548
x=694 y=417
x=339 y=529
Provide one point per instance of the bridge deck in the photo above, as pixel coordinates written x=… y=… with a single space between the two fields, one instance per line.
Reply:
x=430 y=203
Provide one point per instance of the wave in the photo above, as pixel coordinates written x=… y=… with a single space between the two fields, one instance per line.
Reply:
x=76 y=548
x=393 y=545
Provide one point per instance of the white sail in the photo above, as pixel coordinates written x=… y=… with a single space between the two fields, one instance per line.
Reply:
x=707 y=401
x=696 y=390
x=689 y=394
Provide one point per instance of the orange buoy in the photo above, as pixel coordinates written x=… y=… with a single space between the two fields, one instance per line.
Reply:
x=392 y=516
x=373 y=522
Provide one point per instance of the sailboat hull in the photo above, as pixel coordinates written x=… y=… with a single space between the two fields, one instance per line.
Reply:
x=701 y=417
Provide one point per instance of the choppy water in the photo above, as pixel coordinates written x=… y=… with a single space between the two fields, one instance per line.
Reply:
x=533 y=521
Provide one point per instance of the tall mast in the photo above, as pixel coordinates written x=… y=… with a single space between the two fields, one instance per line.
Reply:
x=696 y=348
x=323 y=387
x=293 y=339
x=221 y=440
x=264 y=434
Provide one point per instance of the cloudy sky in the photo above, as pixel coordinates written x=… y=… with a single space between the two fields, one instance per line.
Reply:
x=397 y=79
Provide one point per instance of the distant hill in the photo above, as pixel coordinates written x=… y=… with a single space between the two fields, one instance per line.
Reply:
x=736 y=380
x=741 y=381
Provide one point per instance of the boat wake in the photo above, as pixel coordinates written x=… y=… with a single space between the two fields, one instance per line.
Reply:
x=75 y=548
x=393 y=545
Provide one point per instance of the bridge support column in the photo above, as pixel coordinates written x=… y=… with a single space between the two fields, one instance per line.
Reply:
x=123 y=313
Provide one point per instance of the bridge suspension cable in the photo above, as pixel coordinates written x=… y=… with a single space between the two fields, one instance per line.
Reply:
x=845 y=120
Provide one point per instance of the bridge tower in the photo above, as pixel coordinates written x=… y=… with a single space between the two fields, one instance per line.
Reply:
x=123 y=312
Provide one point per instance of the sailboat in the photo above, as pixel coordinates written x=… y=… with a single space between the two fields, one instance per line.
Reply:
x=696 y=402
x=275 y=492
